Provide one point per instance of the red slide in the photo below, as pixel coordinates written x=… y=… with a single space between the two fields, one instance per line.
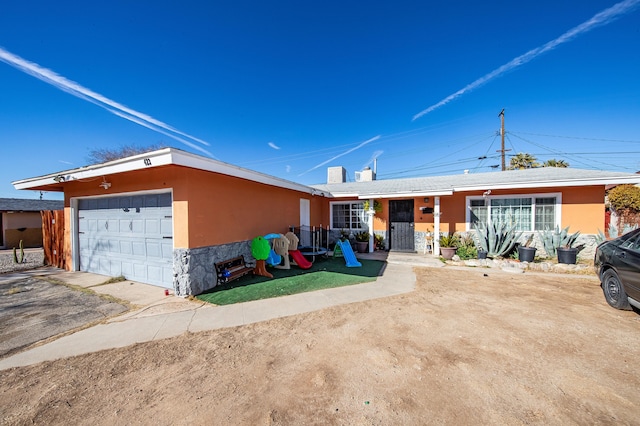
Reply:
x=300 y=259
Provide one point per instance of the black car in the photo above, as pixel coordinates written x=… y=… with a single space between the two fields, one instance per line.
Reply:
x=617 y=263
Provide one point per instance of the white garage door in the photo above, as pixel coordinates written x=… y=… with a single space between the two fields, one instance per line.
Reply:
x=130 y=236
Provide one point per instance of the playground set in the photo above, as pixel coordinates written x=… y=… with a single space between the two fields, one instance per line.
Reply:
x=281 y=251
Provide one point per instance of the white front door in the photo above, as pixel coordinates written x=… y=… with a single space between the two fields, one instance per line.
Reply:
x=305 y=222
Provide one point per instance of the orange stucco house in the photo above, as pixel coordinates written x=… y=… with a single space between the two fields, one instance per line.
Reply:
x=165 y=217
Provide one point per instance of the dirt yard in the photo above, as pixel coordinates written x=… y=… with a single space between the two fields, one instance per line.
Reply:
x=464 y=348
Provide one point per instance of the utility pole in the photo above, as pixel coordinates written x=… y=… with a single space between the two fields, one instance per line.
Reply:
x=502 y=150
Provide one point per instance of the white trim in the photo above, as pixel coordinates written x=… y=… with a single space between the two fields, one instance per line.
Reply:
x=488 y=198
x=436 y=227
x=163 y=157
x=551 y=183
x=403 y=194
x=333 y=203
x=74 y=212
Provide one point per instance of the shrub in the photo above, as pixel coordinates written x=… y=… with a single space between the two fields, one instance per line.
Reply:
x=449 y=240
x=625 y=198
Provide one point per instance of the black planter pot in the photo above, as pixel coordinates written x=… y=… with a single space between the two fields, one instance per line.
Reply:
x=526 y=254
x=482 y=254
x=567 y=255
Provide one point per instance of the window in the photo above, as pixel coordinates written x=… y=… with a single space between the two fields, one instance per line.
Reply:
x=528 y=213
x=513 y=211
x=545 y=213
x=478 y=211
x=348 y=215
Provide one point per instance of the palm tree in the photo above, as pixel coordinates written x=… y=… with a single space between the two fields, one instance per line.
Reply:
x=555 y=163
x=523 y=161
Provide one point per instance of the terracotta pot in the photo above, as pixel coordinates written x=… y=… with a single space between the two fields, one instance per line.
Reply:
x=448 y=252
x=363 y=247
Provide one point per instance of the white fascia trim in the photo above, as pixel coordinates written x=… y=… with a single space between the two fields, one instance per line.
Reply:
x=552 y=183
x=406 y=194
x=164 y=157
x=161 y=157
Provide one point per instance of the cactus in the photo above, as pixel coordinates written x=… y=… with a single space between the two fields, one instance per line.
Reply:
x=551 y=240
x=497 y=238
x=628 y=228
x=20 y=259
x=600 y=238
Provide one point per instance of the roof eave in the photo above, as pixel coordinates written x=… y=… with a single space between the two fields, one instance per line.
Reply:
x=162 y=157
x=552 y=183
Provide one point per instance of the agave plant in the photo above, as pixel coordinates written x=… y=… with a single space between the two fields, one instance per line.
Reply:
x=551 y=240
x=497 y=238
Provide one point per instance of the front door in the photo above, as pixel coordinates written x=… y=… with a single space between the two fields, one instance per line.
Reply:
x=401 y=232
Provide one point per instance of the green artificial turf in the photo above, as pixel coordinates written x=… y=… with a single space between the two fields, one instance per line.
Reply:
x=325 y=273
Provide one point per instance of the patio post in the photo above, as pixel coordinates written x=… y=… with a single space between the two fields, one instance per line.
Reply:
x=436 y=226
x=370 y=213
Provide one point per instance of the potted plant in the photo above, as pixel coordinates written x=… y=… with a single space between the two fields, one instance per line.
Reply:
x=567 y=255
x=362 y=241
x=562 y=244
x=525 y=252
x=448 y=245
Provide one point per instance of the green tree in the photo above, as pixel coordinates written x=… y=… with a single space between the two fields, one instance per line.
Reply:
x=523 y=160
x=555 y=163
x=103 y=155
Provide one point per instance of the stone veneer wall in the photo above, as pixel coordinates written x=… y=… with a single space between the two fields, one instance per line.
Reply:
x=194 y=271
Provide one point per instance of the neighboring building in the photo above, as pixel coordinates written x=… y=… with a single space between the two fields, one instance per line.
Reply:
x=167 y=216
x=21 y=220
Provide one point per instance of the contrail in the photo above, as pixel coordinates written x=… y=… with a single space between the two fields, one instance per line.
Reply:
x=599 y=19
x=273 y=145
x=158 y=130
x=75 y=89
x=375 y=138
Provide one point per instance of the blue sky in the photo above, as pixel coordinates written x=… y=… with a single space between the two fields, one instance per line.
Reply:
x=290 y=88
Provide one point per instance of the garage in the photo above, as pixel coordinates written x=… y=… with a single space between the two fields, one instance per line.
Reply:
x=129 y=235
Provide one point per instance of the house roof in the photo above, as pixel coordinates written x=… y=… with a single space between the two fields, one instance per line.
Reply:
x=23 y=205
x=161 y=157
x=389 y=188
x=544 y=177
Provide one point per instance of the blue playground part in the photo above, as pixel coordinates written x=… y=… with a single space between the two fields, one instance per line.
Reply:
x=274 y=258
x=349 y=255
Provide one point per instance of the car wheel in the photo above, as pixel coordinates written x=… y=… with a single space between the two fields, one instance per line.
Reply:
x=613 y=291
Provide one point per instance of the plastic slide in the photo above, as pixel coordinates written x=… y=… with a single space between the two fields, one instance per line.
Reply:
x=300 y=259
x=349 y=255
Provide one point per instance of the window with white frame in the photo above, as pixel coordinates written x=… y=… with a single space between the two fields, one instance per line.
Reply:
x=348 y=215
x=528 y=213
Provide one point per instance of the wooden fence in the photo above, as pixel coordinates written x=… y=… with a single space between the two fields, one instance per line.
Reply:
x=53 y=237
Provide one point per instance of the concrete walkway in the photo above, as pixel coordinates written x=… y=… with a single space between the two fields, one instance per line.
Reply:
x=156 y=316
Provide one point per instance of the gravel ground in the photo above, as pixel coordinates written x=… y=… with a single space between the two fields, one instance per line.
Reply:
x=33 y=258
